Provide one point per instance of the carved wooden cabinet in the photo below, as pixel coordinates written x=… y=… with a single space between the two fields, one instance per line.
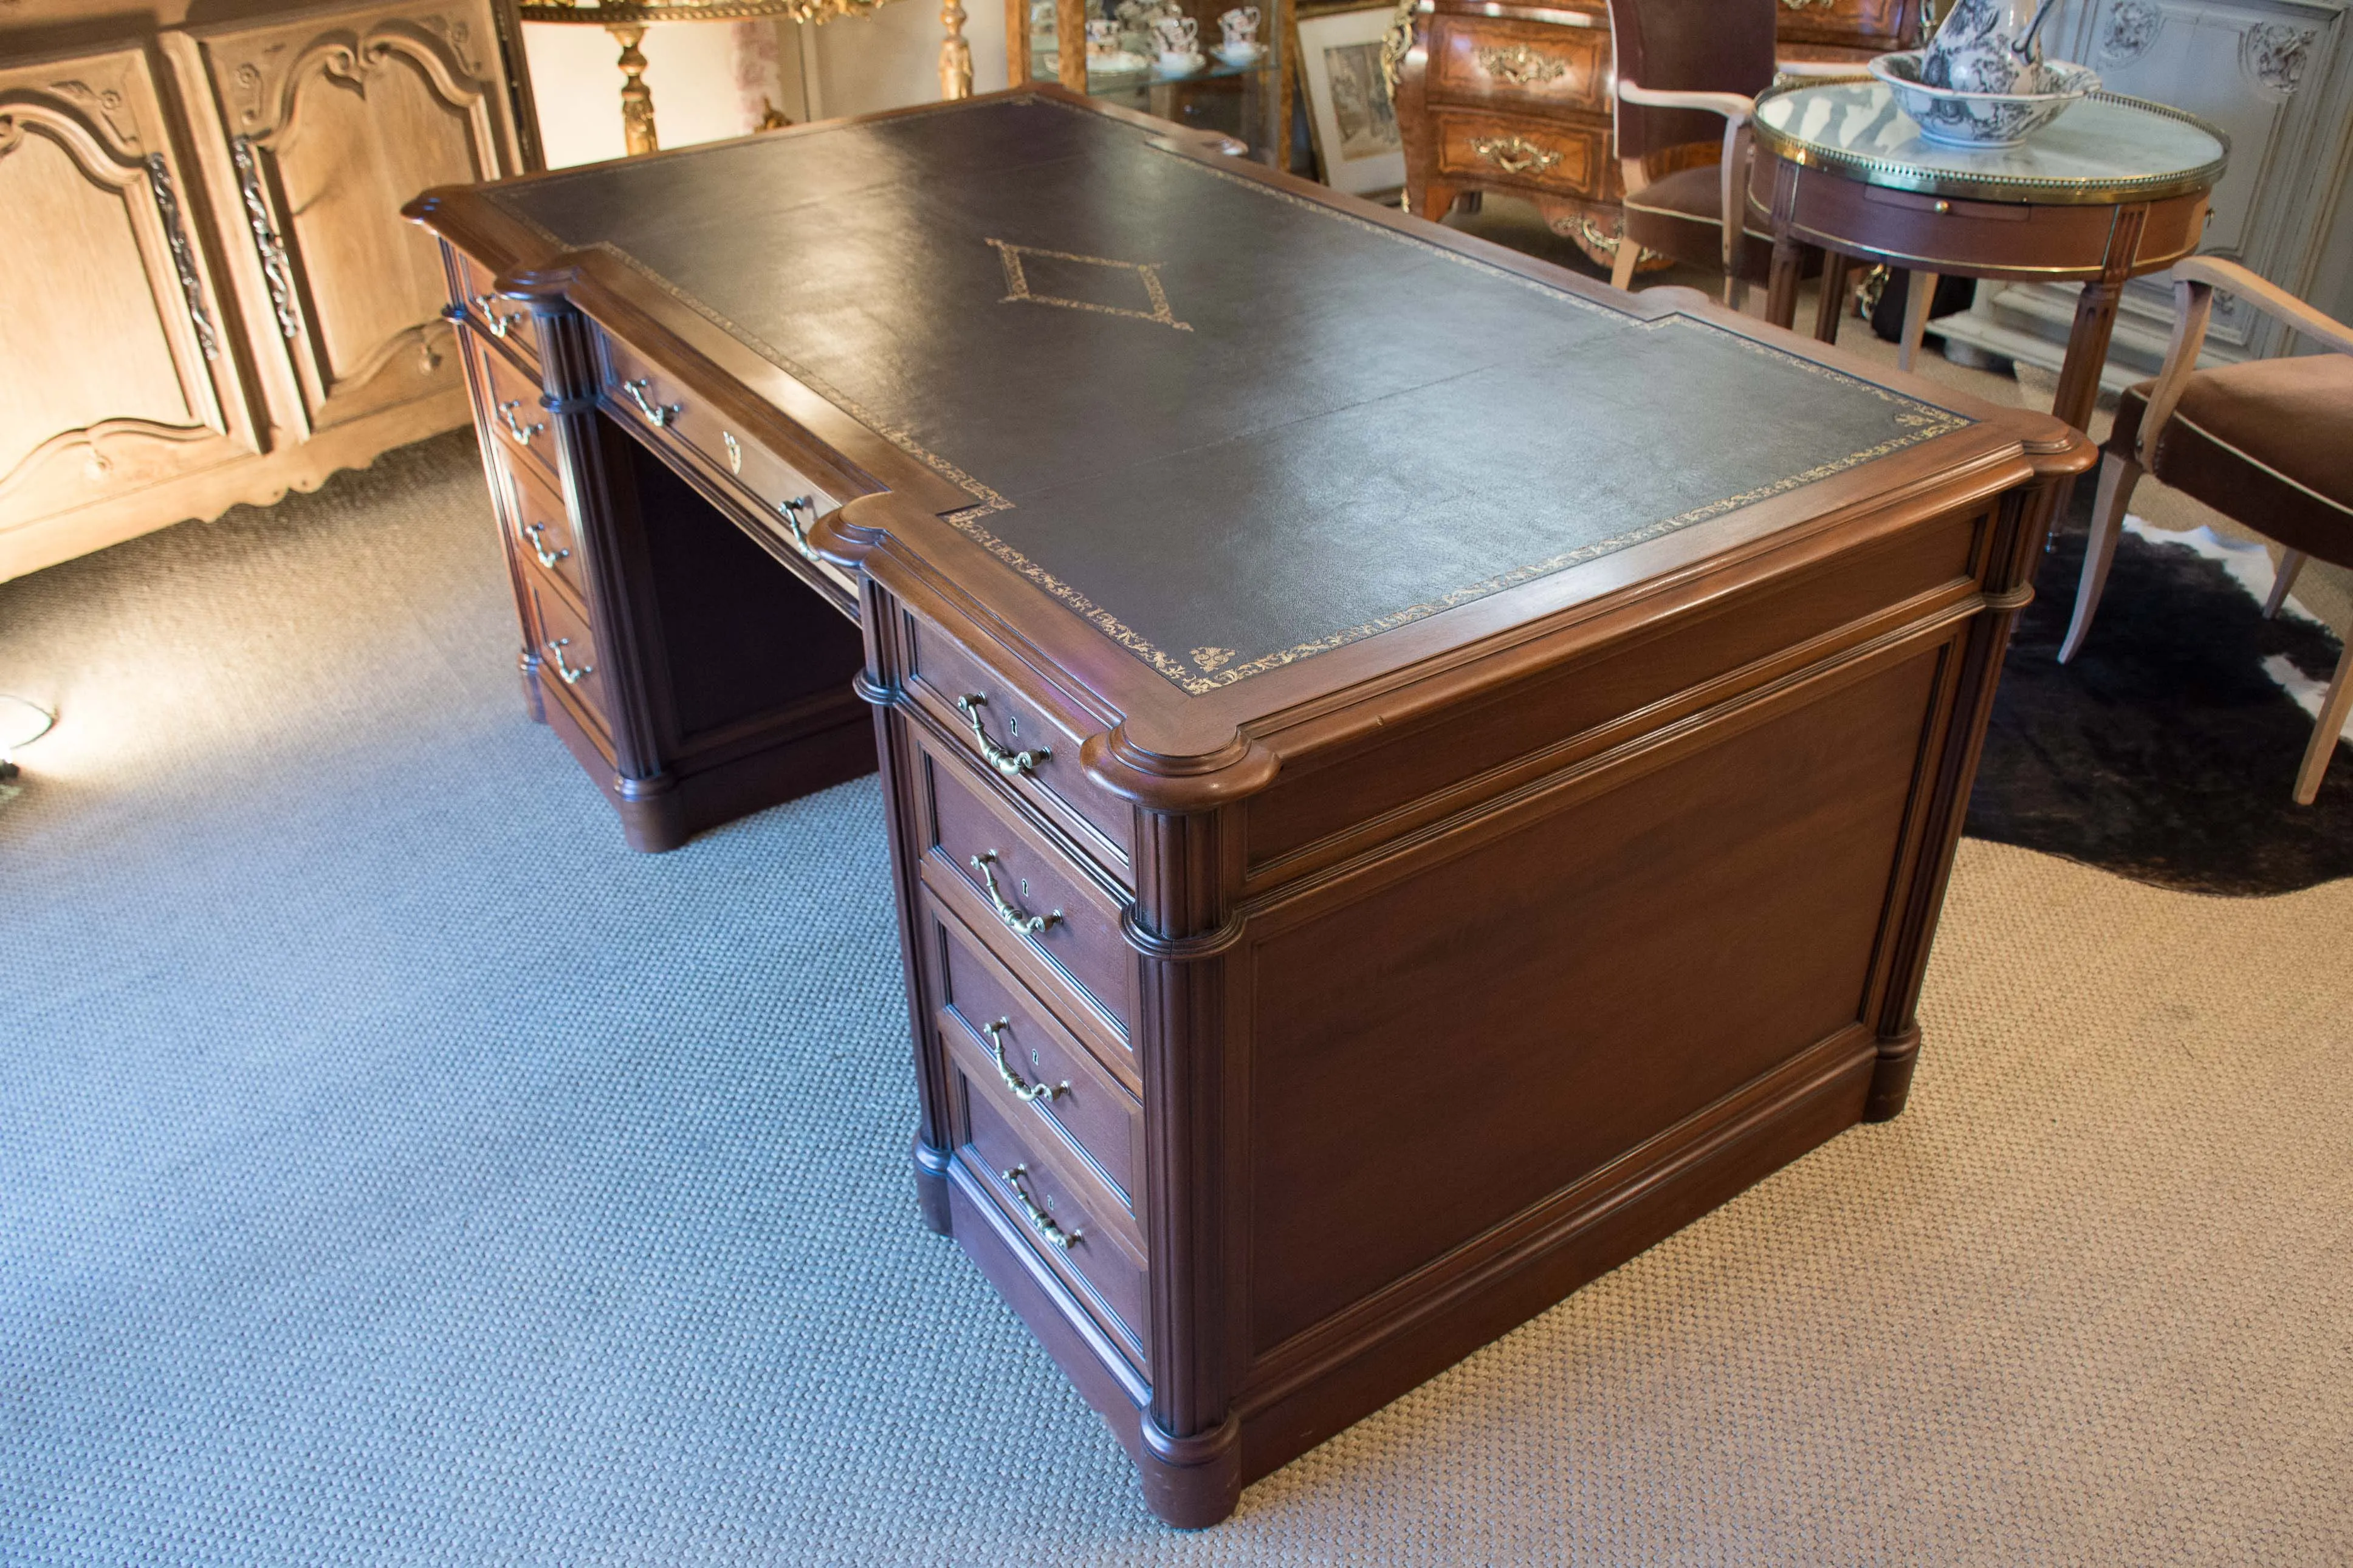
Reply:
x=1494 y=95
x=214 y=298
x=115 y=373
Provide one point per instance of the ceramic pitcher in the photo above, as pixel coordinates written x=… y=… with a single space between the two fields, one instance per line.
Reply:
x=1988 y=46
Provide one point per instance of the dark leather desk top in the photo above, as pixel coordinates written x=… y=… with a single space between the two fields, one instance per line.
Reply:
x=1231 y=428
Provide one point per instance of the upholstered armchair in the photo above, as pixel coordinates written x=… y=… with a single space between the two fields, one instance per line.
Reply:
x=1682 y=66
x=2268 y=443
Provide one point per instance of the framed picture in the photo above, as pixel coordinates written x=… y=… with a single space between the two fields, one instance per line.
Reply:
x=1349 y=118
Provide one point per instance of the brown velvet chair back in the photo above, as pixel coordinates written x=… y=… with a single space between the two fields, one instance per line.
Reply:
x=1687 y=46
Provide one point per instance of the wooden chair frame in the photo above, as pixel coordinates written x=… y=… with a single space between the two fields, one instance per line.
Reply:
x=2194 y=282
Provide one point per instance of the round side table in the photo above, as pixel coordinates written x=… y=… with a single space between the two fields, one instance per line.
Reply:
x=2115 y=189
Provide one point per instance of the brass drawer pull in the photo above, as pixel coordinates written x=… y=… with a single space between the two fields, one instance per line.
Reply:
x=565 y=672
x=1039 y=1220
x=793 y=509
x=521 y=432
x=1016 y=921
x=1013 y=1081
x=539 y=546
x=1515 y=155
x=1521 y=65
x=661 y=416
x=734 y=453
x=1012 y=765
x=498 y=325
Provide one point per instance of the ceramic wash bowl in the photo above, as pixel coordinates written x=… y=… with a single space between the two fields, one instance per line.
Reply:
x=1982 y=118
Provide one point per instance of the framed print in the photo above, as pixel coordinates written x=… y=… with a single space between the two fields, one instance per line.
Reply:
x=1350 y=122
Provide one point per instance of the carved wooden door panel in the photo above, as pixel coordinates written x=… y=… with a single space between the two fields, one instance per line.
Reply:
x=115 y=370
x=324 y=126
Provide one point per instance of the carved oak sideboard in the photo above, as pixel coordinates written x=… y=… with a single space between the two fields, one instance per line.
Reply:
x=1499 y=95
x=212 y=298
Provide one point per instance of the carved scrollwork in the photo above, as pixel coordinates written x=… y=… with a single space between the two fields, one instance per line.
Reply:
x=183 y=259
x=2275 y=53
x=2133 y=26
x=271 y=249
x=108 y=102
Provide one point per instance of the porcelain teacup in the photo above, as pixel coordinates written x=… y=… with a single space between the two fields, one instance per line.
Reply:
x=1239 y=26
x=1179 y=36
x=1103 y=38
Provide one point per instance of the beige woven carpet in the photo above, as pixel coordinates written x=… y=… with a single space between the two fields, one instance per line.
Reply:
x=394 y=1170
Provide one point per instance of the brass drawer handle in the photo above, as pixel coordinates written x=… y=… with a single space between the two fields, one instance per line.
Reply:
x=1039 y=1220
x=565 y=672
x=1520 y=66
x=1012 y=765
x=792 y=510
x=1013 y=1081
x=661 y=416
x=1016 y=921
x=539 y=546
x=521 y=432
x=498 y=325
x=1515 y=155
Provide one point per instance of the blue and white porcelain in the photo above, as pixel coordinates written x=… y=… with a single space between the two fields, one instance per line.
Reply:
x=1988 y=46
x=1958 y=119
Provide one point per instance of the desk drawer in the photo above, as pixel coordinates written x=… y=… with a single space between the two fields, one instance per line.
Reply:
x=542 y=527
x=1042 y=913
x=1052 y=778
x=1094 y=1257
x=1477 y=58
x=509 y=321
x=569 y=664
x=672 y=417
x=1542 y=155
x=518 y=423
x=1021 y=1058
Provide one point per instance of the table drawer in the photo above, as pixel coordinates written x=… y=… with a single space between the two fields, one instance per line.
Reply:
x=1475 y=58
x=672 y=417
x=509 y=321
x=1541 y=154
x=541 y=526
x=518 y=422
x=1041 y=911
x=569 y=665
x=1021 y=1056
x=1026 y=744
x=1102 y=1267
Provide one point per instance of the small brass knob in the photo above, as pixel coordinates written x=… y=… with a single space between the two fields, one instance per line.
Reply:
x=1943 y=207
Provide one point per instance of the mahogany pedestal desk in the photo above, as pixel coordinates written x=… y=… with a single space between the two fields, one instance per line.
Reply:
x=1411 y=775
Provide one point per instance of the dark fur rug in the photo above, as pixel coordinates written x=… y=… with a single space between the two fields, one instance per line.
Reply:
x=2164 y=753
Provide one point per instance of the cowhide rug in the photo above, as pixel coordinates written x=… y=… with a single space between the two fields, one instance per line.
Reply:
x=2166 y=751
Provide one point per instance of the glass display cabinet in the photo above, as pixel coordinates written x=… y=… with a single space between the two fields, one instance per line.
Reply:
x=1208 y=65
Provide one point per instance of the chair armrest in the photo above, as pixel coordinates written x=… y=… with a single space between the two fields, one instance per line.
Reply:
x=2194 y=282
x=2265 y=296
x=1824 y=68
x=1736 y=110
x=1731 y=105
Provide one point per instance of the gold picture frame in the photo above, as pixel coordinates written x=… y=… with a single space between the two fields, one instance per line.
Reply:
x=1350 y=123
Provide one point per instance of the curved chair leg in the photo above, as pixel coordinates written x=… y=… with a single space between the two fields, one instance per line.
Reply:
x=2333 y=709
x=1919 y=294
x=1622 y=265
x=2291 y=563
x=2117 y=478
